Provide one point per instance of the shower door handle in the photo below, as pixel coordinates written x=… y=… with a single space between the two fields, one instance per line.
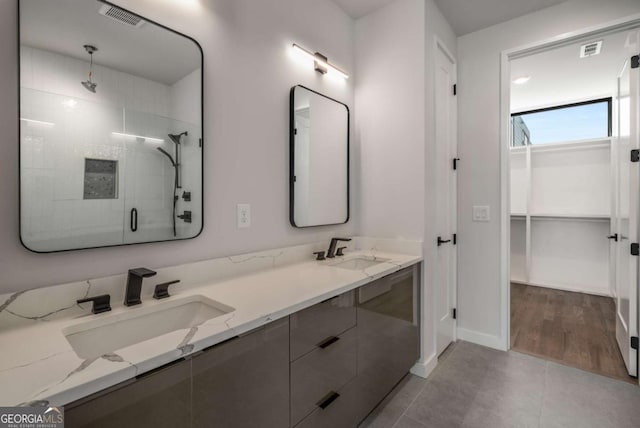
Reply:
x=134 y=220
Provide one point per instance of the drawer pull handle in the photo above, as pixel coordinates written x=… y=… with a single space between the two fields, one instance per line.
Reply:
x=328 y=342
x=327 y=400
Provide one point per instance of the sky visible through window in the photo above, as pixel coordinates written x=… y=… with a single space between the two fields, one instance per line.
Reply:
x=568 y=124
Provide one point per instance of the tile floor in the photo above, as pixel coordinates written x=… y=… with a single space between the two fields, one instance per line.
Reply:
x=474 y=386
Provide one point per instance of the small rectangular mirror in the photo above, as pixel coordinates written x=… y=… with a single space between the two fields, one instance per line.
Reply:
x=319 y=159
x=110 y=128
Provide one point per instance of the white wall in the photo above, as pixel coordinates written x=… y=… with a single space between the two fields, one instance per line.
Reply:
x=480 y=307
x=395 y=56
x=248 y=73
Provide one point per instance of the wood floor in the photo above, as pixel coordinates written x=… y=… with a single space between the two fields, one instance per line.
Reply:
x=575 y=329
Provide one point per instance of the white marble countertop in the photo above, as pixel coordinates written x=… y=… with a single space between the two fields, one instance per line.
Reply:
x=37 y=363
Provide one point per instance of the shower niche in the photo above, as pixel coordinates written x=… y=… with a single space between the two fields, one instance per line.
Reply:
x=110 y=129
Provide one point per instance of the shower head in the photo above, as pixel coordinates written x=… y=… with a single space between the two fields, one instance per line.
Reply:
x=89 y=86
x=167 y=155
x=176 y=137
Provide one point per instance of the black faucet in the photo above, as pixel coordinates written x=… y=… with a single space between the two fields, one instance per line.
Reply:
x=331 y=252
x=134 y=285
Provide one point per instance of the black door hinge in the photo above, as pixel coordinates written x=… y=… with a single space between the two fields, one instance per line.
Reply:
x=455 y=89
x=635 y=155
x=455 y=238
x=635 y=249
x=635 y=61
x=295 y=131
x=455 y=313
x=455 y=163
x=634 y=342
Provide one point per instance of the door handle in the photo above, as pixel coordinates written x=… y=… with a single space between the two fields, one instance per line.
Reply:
x=614 y=237
x=441 y=241
x=134 y=220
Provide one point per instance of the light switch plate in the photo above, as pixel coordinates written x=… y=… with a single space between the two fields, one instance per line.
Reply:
x=243 y=213
x=481 y=213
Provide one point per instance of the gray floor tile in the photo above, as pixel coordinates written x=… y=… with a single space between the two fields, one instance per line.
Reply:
x=477 y=387
x=407 y=422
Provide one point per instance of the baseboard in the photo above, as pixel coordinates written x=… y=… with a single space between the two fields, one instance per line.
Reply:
x=495 y=342
x=424 y=369
x=605 y=293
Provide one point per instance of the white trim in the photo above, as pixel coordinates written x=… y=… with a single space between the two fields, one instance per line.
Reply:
x=561 y=287
x=483 y=339
x=424 y=368
x=505 y=114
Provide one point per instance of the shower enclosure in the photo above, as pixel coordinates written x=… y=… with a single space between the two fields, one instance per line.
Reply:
x=110 y=131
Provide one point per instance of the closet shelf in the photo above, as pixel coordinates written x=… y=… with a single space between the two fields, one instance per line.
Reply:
x=564 y=216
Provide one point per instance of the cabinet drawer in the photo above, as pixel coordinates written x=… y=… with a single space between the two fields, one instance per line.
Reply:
x=329 y=318
x=320 y=372
x=340 y=413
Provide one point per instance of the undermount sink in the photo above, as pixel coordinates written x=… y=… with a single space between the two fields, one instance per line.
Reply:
x=112 y=332
x=359 y=263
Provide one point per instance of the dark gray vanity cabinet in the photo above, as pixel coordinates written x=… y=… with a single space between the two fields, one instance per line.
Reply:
x=159 y=399
x=324 y=343
x=388 y=334
x=244 y=382
x=326 y=366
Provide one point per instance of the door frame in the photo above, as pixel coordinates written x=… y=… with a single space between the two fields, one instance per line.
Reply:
x=438 y=44
x=506 y=56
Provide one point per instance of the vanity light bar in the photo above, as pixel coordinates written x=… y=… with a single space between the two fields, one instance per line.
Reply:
x=119 y=134
x=38 y=122
x=322 y=62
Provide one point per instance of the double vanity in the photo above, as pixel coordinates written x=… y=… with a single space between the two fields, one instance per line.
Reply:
x=276 y=337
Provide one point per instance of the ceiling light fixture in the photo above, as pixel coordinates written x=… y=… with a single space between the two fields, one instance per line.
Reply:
x=521 y=80
x=321 y=63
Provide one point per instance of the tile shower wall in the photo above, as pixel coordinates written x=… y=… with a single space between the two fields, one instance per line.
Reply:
x=79 y=125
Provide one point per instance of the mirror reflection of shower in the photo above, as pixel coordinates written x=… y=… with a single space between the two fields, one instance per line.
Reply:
x=175 y=162
x=88 y=84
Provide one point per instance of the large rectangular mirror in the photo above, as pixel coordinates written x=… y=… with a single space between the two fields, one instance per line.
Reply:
x=319 y=159
x=110 y=128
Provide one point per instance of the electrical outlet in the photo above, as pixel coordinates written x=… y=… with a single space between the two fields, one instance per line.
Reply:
x=243 y=212
x=481 y=213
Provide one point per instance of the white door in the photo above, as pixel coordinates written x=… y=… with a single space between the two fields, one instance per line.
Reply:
x=446 y=150
x=626 y=290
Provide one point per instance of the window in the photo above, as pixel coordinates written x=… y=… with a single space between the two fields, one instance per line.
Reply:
x=572 y=122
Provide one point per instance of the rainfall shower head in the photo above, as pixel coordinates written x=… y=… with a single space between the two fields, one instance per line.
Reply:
x=88 y=84
x=164 y=152
x=176 y=137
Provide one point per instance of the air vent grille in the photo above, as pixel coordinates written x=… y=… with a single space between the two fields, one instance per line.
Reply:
x=590 y=49
x=122 y=16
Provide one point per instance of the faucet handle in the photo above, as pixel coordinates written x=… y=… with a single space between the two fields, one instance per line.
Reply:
x=162 y=290
x=101 y=303
x=340 y=251
x=319 y=255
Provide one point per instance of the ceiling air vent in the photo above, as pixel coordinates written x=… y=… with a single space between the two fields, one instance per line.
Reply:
x=122 y=16
x=590 y=49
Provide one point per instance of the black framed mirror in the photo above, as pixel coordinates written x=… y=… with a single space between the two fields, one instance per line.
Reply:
x=110 y=128
x=319 y=159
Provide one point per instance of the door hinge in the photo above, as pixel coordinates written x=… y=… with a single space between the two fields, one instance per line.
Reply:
x=455 y=313
x=635 y=249
x=295 y=131
x=455 y=239
x=634 y=342
x=455 y=163
x=635 y=61
x=455 y=89
x=635 y=155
